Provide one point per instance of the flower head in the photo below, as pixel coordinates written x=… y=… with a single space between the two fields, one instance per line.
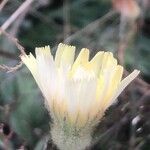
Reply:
x=77 y=92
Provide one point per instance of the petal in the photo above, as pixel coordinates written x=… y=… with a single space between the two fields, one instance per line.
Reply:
x=67 y=57
x=47 y=73
x=108 y=62
x=59 y=53
x=80 y=99
x=83 y=56
x=96 y=62
x=125 y=82
x=81 y=60
x=115 y=81
x=31 y=63
x=64 y=54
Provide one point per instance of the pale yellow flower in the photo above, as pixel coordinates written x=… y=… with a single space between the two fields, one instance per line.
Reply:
x=77 y=92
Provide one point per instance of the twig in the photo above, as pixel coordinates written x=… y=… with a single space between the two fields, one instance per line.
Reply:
x=15 y=15
x=133 y=113
x=126 y=32
x=66 y=16
x=10 y=20
x=8 y=55
x=45 y=19
x=19 y=46
x=3 y=3
x=14 y=29
x=11 y=69
x=108 y=131
x=14 y=40
x=92 y=26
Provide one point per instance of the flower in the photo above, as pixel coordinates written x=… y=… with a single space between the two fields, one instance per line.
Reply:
x=77 y=93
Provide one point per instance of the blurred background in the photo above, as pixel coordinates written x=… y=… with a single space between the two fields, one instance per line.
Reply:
x=119 y=26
